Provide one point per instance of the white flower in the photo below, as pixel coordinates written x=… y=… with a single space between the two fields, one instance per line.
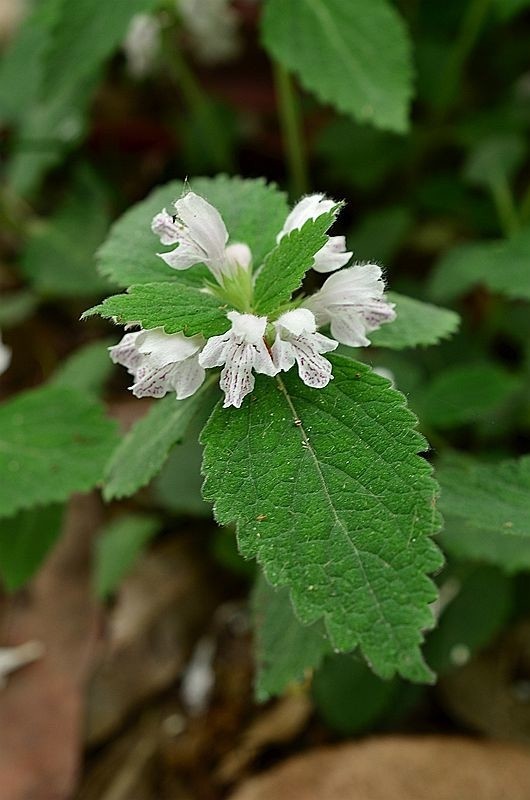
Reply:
x=161 y=362
x=142 y=44
x=297 y=340
x=5 y=356
x=200 y=233
x=212 y=26
x=352 y=302
x=241 y=350
x=334 y=254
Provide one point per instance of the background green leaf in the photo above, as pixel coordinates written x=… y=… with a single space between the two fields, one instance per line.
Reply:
x=355 y=55
x=117 y=548
x=58 y=258
x=416 y=323
x=487 y=510
x=146 y=446
x=53 y=441
x=285 y=650
x=25 y=540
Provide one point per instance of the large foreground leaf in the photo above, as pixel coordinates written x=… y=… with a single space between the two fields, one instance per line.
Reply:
x=53 y=441
x=253 y=212
x=330 y=496
x=354 y=55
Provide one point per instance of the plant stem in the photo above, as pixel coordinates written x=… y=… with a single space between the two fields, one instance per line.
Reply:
x=462 y=46
x=198 y=103
x=291 y=124
x=504 y=203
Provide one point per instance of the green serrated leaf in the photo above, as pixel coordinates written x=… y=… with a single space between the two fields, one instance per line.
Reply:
x=21 y=65
x=53 y=441
x=502 y=266
x=84 y=36
x=57 y=259
x=25 y=540
x=465 y=394
x=286 y=265
x=253 y=212
x=117 y=548
x=416 y=323
x=87 y=369
x=174 y=307
x=487 y=511
x=330 y=496
x=285 y=650
x=144 y=449
x=354 y=55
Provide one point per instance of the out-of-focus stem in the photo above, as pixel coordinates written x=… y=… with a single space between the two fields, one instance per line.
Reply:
x=505 y=205
x=291 y=123
x=467 y=35
x=197 y=101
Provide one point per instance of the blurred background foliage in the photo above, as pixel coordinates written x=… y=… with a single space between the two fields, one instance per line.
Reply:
x=96 y=110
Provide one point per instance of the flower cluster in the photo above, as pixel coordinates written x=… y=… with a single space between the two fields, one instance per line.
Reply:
x=351 y=302
x=5 y=356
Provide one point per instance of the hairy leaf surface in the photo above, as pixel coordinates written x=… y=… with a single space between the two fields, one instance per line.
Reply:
x=172 y=307
x=330 y=496
x=285 y=267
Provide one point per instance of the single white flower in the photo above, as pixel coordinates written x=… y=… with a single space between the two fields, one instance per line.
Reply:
x=161 y=362
x=212 y=27
x=242 y=349
x=142 y=44
x=5 y=356
x=297 y=341
x=334 y=254
x=200 y=233
x=352 y=302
